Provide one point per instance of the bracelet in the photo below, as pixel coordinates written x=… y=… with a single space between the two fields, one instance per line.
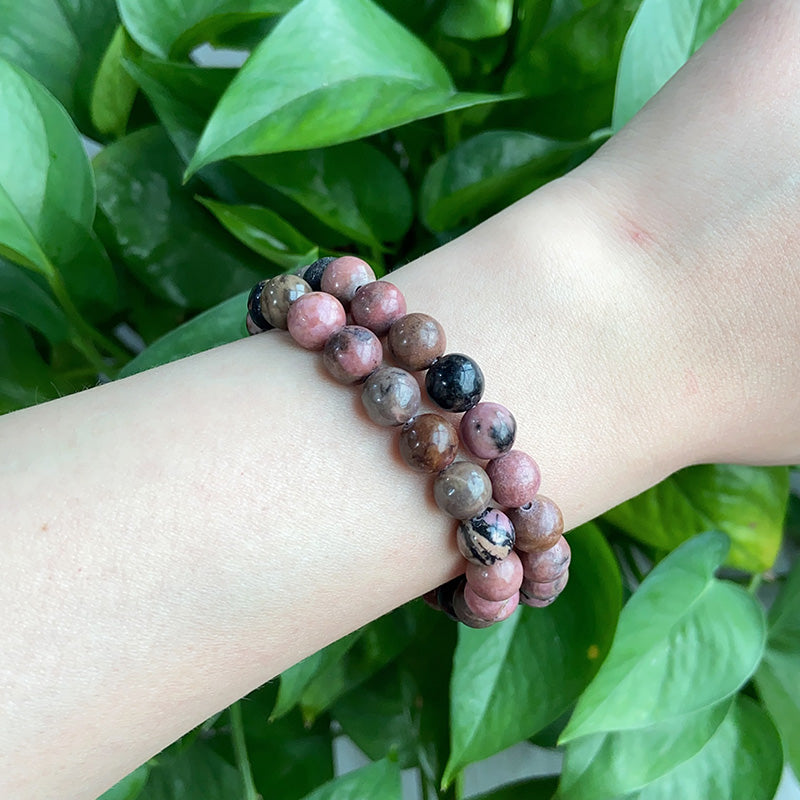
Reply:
x=516 y=555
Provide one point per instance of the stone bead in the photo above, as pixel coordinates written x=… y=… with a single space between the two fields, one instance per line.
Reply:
x=454 y=382
x=352 y=353
x=391 y=396
x=545 y=590
x=515 y=478
x=416 y=341
x=538 y=524
x=343 y=276
x=445 y=594
x=312 y=273
x=462 y=490
x=496 y=581
x=313 y=318
x=464 y=614
x=259 y=323
x=278 y=295
x=486 y=538
x=429 y=443
x=252 y=328
x=534 y=602
x=548 y=565
x=492 y=610
x=377 y=305
x=488 y=430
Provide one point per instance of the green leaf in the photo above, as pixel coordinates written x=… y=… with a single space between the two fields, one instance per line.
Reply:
x=25 y=379
x=60 y=43
x=532 y=789
x=375 y=646
x=46 y=189
x=114 y=90
x=487 y=172
x=21 y=296
x=296 y=679
x=191 y=773
x=476 y=19
x=265 y=232
x=130 y=787
x=153 y=224
x=778 y=677
x=685 y=642
x=378 y=780
x=352 y=188
x=170 y=28
x=511 y=680
x=217 y=326
x=662 y=37
x=605 y=765
x=291 y=95
x=746 y=503
x=742 y=761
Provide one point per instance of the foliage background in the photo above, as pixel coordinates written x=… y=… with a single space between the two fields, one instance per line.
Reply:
x=385 y=129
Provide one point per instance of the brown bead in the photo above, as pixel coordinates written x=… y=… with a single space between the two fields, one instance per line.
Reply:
x=278 y=295
x=416 y=341
x=538 y=525
x=428 y=443
x=462 y=490
x=544 y=590
x=546 y=566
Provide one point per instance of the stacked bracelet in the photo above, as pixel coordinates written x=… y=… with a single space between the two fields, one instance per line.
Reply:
x=516 y=555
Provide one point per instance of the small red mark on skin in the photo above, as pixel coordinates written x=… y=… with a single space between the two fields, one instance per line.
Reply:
x=692 y=382
x=45 y=526
x=639 y=236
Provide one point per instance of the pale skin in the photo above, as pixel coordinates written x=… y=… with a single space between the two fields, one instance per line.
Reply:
x=172 y=541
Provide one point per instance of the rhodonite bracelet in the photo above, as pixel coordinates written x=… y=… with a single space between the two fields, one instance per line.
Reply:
x=511 y=536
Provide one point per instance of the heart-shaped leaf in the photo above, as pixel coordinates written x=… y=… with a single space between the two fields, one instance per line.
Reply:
x=488 y=172
x=662 y=37
x=378 y=780
x=512 y=679
x=746 y=503
x=318 y=79
x=778 y=677
x=152 y=223
x=46 y=188
x=170 y=28
x=685 y=642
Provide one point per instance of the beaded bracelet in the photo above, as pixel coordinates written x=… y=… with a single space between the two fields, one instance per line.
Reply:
x=514 y=556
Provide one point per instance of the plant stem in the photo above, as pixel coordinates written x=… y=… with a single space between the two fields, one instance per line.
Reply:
x=755 y=582
x=459 y=785
x=240 y=751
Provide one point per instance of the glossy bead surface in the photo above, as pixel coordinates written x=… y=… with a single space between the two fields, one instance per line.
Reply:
x=545 y=590
x=313 y=317
x=491 y=610
x=416 y=341
x=548 y=565
x=352 y=353
x=462 y=490
x=538 y=524
x=254 y=309
x=488 y=430
x=391 y=396
x=486 y=538
x=515 y=478
x=278 y=295
x=344 y=275
x=377 y=305
x=496 y=581
x=454 y=382
x=312 y=273
x=429 y=443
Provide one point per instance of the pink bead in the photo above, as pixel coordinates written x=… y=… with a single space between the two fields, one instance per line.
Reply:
x=547 y=565
x=515 y=478
x=496 y=581
x=313 y=317
x=377 y=305
x=252 y=328
x=352 y=353
x=343 y=277
x=534 y=602
x=493 y=611
x=546 y=589
x=488 y=430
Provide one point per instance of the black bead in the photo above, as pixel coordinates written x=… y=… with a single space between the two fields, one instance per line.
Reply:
x=455 y=382
x=445 y=594
x=254 y=306
x=312 y=274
